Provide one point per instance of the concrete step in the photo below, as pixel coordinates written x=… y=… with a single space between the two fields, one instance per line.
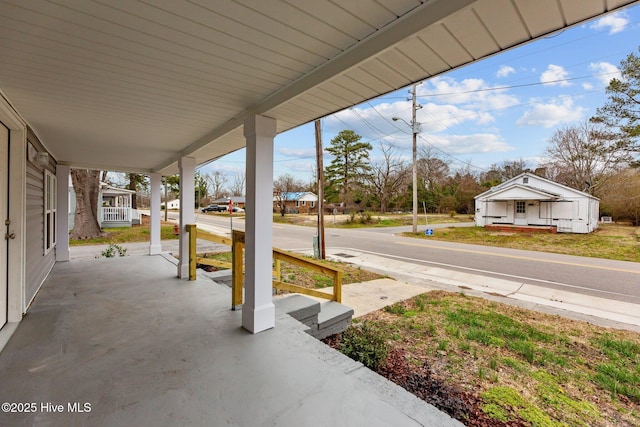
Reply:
x=333 y=319
x=301 y=308
x=323 y=319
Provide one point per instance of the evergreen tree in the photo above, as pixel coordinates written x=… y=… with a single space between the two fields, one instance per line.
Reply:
x=621 y=111
x=350 y=166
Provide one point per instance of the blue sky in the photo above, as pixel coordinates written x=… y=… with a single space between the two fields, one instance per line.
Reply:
x=502 y=108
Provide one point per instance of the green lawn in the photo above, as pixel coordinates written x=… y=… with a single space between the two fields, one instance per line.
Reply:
x=119 y=235
x=519 y=365
x=610 y=241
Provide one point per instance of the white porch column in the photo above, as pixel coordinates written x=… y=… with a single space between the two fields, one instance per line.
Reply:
x=187 y=167
x=258 y=311
x=155 y=246
x=62 y=213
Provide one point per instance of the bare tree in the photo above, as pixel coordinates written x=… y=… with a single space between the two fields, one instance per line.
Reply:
x=237 y=187
x=582 y=156
x=388 y=175
x=86 y=184
x=621 y=196
x=216 y=182
x=282 y=187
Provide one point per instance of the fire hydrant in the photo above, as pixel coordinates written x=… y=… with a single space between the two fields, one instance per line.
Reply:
x=176 y=229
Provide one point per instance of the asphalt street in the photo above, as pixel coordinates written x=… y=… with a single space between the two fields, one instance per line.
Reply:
x=616 y=280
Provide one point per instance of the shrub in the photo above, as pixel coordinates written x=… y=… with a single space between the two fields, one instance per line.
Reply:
x=366 y=344
x=114 y=249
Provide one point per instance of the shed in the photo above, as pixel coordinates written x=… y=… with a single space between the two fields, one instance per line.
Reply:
x=529 y=200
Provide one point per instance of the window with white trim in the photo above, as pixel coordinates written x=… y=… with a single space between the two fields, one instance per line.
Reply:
x=297 y=203
x=521 y=207
x=304 y=203
x=313 y=204
x=50 y=210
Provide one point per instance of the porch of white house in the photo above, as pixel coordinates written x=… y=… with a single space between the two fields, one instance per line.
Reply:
x=153 y=349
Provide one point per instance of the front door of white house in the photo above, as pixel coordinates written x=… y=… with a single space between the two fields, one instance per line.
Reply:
x=521 y=213
x=4 y=217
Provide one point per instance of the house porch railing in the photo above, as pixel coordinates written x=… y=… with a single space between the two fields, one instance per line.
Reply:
x=119 y=214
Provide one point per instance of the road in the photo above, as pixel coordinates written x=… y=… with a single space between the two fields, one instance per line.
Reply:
x=617 y=280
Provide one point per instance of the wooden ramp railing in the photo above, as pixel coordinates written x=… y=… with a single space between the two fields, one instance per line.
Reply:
x=237 y=244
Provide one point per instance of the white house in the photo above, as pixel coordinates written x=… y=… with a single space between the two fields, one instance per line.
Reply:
x=172 y=204
x=530 y=200
x=114 y=207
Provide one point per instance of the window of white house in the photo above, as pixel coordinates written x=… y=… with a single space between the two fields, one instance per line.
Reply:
x=50 y=210
x=520 y=207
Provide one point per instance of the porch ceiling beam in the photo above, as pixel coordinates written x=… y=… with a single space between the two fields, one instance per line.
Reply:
x=420 y=18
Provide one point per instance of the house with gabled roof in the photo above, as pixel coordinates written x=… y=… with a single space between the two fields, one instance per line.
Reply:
x=529 y=201
x=304 y=202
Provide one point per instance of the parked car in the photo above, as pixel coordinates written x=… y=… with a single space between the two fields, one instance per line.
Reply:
x=214 y=208
x=237 y=209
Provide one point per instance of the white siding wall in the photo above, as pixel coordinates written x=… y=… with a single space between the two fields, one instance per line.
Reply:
x=38 y=265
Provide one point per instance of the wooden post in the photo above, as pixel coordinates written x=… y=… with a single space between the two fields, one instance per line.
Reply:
x=191 y=229
x=321 y=245
x=237 y=277
x=278 y=270
x=337 y=287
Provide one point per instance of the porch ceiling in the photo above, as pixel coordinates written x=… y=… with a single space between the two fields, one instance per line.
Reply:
x=132 y=85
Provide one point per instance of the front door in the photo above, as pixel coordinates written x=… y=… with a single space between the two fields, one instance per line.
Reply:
x=4 y=216
x=521 y=213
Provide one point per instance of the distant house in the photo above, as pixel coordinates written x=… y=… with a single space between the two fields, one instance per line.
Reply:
x=172 y=204
x=114 y=207
x=529 y=200
x=238 y=201
x=296 y=202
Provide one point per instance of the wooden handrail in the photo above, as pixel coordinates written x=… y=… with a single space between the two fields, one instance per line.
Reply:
x=237 y=243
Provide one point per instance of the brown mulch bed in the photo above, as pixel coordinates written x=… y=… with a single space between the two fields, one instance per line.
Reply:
x=420 y=381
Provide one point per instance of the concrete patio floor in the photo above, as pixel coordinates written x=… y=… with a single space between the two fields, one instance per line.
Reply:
x=144 y=348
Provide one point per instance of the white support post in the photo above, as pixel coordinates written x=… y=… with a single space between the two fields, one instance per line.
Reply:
x=62 y=213
x=187 y=167
x=155 y=245
x=258 y=311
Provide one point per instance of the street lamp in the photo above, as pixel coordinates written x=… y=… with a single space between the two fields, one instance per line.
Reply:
x=414 y=130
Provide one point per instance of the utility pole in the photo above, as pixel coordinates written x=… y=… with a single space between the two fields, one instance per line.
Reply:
x=321 y=247
x=415 y=128
x=414 y=131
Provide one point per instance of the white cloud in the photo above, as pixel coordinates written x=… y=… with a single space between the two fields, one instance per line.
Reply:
x=587 y=86
x=614 y=22
x=297 y=152
x=606 y=70
x=549 y=115
x=470 y=144
x=505 y=70
x=554 y=75
x=473 y=93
